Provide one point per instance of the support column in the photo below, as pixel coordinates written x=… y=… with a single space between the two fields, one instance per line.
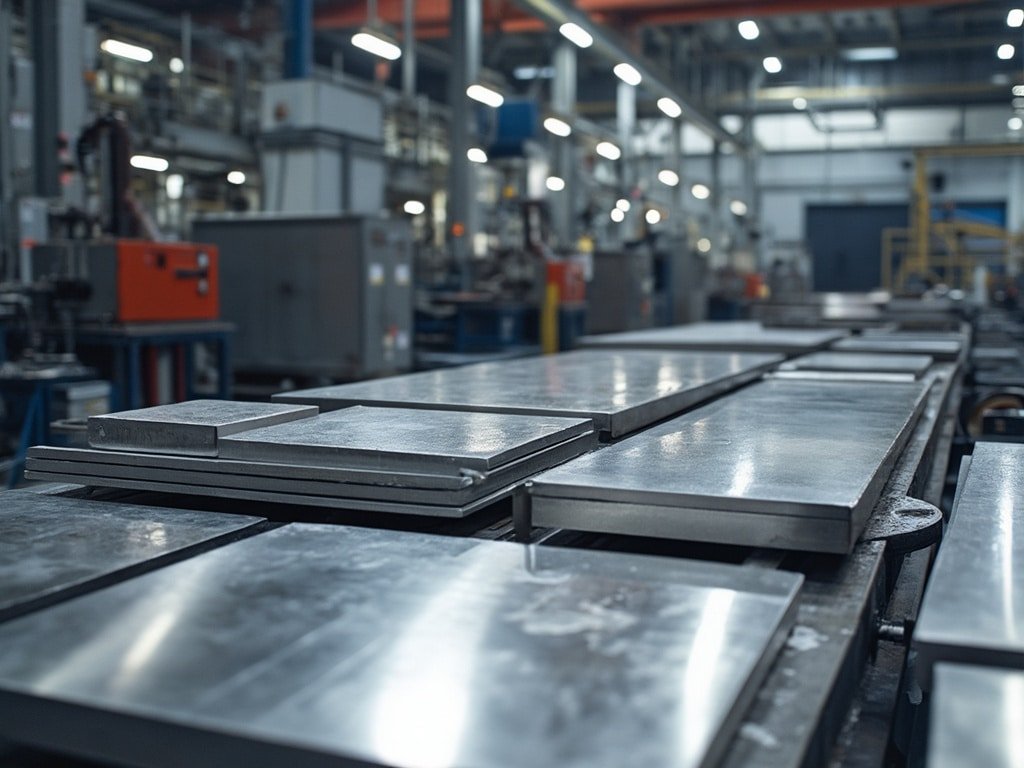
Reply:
x=625 y=119
x=409 y=49
x=298 y=46
x=677 y=224
x=563 y=100
x=8 y=237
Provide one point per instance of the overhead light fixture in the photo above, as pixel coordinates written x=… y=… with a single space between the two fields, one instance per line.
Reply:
x=236 y=177
x=1015 y=18
x=700 y=191
x=574 y=33
x=738 y=208
x=668 y=177
x=800 y=103
x=127 y=50
x=485 y=95
x=1005 y=51
x=558 y=127
x=627 y=73
x=1015 y=123
x=149 y=163
x=176 y=65
x=704 y=245
x=772 y=65
x=617 y=215
x=669 y=107
x=476 y=155
x=622 y=204
x=175 y=186
x=653 y=216
x=533 y=73
x=414 y=207
x=376 y=42
x=748 y=29
x=877 y=53
x=608 y=150
x=555 y=183
x=1018 y=90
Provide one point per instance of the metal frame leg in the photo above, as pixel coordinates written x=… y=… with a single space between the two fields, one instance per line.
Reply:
x=522 y=514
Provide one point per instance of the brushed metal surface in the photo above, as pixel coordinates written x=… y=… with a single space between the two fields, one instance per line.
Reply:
x=855 y=362
x=621 y=391
x=52 y=547
x=976 y=717
x=308 y=644
x=404 y=439
x=973 y=609
x=739 y=336
x=190 y=429
x=944 y=349
x=817 y=451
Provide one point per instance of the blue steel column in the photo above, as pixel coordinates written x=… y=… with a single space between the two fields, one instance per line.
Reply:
x=298 y=47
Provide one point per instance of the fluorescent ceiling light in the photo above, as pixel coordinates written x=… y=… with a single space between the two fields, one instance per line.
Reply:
x=652 y=216
x=748 y=29
x=738 y=208
x=703 y=245
x=533 y=73
x=557 y=127
x=476 y=155
x=374 y=42
x=878 y=53
x=175 y=185
x=1018 y=90
x=627 y=73
x=848 y=120
x=1015 y=123
x=1005 y=51
x=617 y=215
x=485 y=95
x=555 y=183
x=574 y=33
x=236 y=177
x=1015 y=17
x=414 y=207
x=608 y=150
x=772 y=65
x=668 y=178
x=622 y=204
x=700 y=191
x=127 y=50
x=176 y=65
x=149 y=163
x=799 y=103
x=669 y=107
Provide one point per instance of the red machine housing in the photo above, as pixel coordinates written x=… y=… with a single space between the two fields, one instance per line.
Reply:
x=166 y=281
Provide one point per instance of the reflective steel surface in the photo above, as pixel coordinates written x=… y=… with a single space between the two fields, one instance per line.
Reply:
x=404 y=439
x=977 y=717
x=621 y=391
x=728 y=336
x=855 y=362
x=740 y=469
x=311 y=642
x=52 y=546
x=973 y=609
x=895 y=344
x=191 y=428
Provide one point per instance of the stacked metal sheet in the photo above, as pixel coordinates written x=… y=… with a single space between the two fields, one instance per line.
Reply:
x=853 y=366
x=784 y=463
x=621 y=391
x=720 y=337
x=973 y=609
x=52 y=548
x=946 y=347
x=315 y=645
x=439 y=463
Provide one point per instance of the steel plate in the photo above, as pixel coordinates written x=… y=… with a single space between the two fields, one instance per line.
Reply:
x=946 y=350
x=312 y=644
x=973 y=609
x=620 y=391
x=53 y=547
x=854 y=362
x=724 y=337
x=189 y=429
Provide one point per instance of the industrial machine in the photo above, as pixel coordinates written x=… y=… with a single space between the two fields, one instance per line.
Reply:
x=621 y=291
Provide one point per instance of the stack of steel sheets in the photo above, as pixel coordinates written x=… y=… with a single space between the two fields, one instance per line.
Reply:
x=855 y=366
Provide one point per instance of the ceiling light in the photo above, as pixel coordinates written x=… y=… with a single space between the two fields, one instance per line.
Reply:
x=668 y=178
x=149 y=163
x=669 y=107
x=476 y=155
x=738 y=208
x=574 y=33
x=533 y=73
x=772 y=65
x=878 y=53
x=799 y=103
x=703 y=245
x=748 y=29
x=1015 y=17
x=557 y=127
x=414 y=207
x=176 y=65
x=236 y=177
x=617 y=215
x=652 y=216
x=1018 y=90
x=627 y=73
x=174 y=185
x=555 y=183
x=1005 y=51
x=622 y=204
x=127 y=50
x=1015 y=123
x=377 y=43
x=700 y=191
x=608 y=150
x=485 y=95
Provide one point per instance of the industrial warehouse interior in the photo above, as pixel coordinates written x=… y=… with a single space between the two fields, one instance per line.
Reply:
x=485 y=383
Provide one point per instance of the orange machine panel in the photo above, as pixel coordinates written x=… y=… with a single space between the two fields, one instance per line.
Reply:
x=166 y=281
x=570 y=279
